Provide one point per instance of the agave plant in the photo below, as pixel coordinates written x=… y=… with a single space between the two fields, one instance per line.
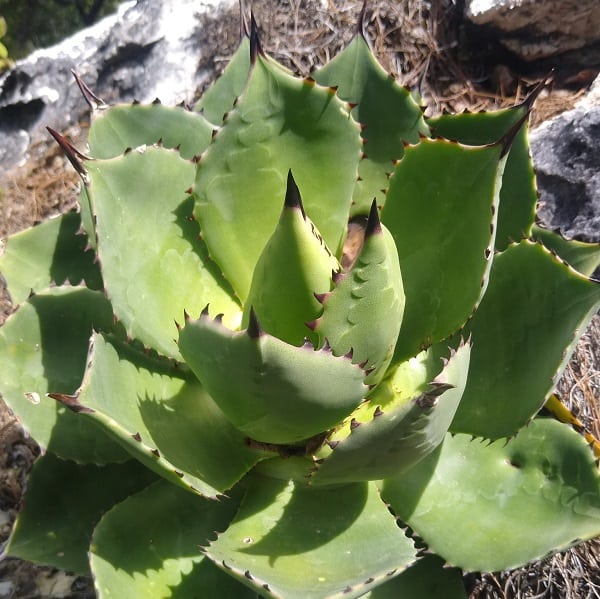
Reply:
x=298 y=349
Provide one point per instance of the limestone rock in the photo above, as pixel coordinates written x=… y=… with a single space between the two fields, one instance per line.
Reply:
x=534 y=30
x=148 y=49
x=566 y=155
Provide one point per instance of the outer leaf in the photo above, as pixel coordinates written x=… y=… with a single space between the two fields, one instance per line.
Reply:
x=51 y=252
x=491 y=507
x=292 y=541
x=154 y=265
x=63 y=503
x=164 y=418
x=293 y=267
x=440 y=210
x=364 y=312
x=518 y=196
x=43 y=348
x=583 y=257
x=120 y=127
x=157 y=556
x=278 y=123
x=427 y=579
x=220 y=97
x=405 y=419
x=279 y=393
x=523 y=334
x=387 y=111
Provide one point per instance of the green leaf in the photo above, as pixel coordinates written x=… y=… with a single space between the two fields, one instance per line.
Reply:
x=148 y=546
x=583 y=257
x=163 y=417
x=49 y=253
x=523 y=334
x=518 y=195
x=364 y=311
x=404 y=420
x=293 y=267
x=278 y=123
x=493 y=507
x=220 y=97
x=154 y=265
x=117 y=128
x=272 y=391
x=63 y=503
x=388 y=112
x=440 y=210
x=427 y=579
x=292 y=541
x=43 y=348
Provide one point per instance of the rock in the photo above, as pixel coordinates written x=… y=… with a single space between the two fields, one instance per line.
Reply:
x=148 y=49
x=533 y=30
x=566 y=155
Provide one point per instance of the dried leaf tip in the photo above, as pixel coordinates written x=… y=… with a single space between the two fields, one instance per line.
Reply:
x=529 y=101
x=254 y=330
x=71 y=152
x=255 y=46
x=244 y=30
x=360 y=26
x=71 y=402
x=93 y=101
x=292 y=195
x=373 y=224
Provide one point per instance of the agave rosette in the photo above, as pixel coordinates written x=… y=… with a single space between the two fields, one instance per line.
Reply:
x=269 y=339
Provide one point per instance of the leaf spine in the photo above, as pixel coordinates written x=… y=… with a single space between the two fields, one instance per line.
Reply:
x=93 y=101
x=71 y=152
x=292 y=195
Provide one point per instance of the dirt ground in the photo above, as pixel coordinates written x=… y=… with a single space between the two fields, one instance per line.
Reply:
x=424 y=44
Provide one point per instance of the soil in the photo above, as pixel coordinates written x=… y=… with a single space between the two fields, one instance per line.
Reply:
x=425 y=44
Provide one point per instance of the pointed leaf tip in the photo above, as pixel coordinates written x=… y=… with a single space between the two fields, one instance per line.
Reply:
x=93 y=101
x=373 y=224
x=360 y=26
x=254 y=330
x=292 y=195
x=255 y=46
x=71 y=402
x=71 y=152
x=529 y=101
x=244 y=29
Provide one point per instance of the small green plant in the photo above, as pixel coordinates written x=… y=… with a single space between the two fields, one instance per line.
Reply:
x=271 y=340
x=5 y=61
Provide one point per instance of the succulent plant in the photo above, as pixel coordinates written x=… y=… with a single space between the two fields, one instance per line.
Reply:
x=298 y=350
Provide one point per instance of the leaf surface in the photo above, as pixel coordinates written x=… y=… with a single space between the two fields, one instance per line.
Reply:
x=164 y=418
x=279 y=123
x=49 y=253
x=404 y=420
x=440 y=209
x=158 y=555
x=387 y=111
x=291 y=541
x=155 y=267
x=120 y=127
x=43 y=349
x=62 y=505
x=492 y=507
x=523 y=334
x=518 y=195
x=272 y=391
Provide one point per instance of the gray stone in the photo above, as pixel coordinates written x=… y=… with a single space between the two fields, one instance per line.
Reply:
x=534 y=30
x=148 y=49
x=566 y=155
